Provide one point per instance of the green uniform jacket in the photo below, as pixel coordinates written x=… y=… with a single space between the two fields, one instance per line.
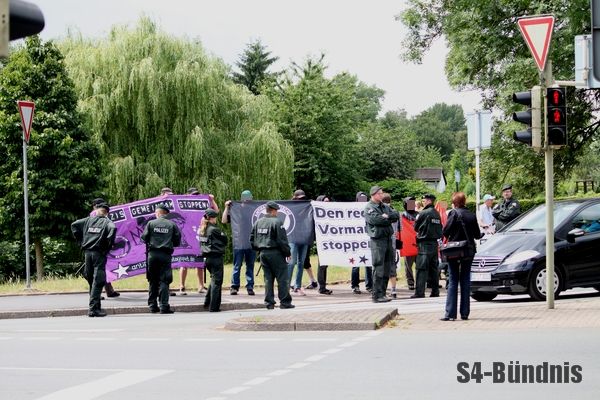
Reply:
x=161 y=234
x=94 y=233
x=214 y=241
x=428 y=225
x=269 y=233
x=378 y=226
x=506 y=211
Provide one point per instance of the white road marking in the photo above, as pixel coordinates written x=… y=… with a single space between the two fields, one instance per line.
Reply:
x=348 y=344
x=260 y=340
x=41 y=338
x=332 y=351
x=314 y=358
x=57 y=369
x=257 y=381
x=203 y=340
x=95 y=339
x=99 y=387
x=315 y=340
x=235 y=390
x=298 y=365
x=280 y=372
x=68 y=330
x=149 y=339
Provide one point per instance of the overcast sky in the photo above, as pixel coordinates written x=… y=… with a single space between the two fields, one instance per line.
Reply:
x=358 y=36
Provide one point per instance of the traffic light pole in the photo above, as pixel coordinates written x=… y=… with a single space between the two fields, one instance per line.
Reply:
x=546 y=80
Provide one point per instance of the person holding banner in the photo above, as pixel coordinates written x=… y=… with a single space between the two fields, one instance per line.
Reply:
x=161 y=236
x=299 y=252
x=379 y=218
x=361 y=197
x=214 y=243
x=96 y=235
x=268 y=236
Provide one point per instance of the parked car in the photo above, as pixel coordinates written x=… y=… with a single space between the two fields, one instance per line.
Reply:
x=513 y=261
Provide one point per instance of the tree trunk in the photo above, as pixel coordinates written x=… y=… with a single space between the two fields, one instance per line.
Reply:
x=39 y=258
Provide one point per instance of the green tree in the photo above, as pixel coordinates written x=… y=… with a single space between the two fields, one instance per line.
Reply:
x=321 y=118
x=253 y=66
x=487 y=52
x=63 y=159
x=169 y=115
x=441 y=126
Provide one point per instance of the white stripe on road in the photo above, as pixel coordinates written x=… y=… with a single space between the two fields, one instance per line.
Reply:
x=41 y=338
x=235 y=390
x=203 y=340
x=257 y=381
x=260 y=340
x=298 y=365
x=348 y=344
x=95 y=339
x=332 y=351
x=280 y=372
x=68 y=330
x=315 y=340
x=102 y=386
x=149 y=339
x=317 y=357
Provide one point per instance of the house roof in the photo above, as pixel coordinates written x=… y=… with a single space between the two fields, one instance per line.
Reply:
x=429 y=174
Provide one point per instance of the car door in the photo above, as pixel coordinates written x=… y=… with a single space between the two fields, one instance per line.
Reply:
x=584 y=255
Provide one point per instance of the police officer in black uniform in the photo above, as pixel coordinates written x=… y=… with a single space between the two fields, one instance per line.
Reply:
x=429 y=230
x=506 y=210
x=269 y=237
x=96 y=235
x=213 y=241
x=378 y=219
x=161 y=236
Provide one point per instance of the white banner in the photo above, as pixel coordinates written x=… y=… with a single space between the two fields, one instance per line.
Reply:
x=341 y=234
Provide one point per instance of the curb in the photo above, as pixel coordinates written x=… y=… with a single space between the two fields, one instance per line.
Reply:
x=320 y=321
x=78 y=312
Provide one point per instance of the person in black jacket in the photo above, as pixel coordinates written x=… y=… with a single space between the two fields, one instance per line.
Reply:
x=461 y=225
x=96 y=235
x=214 y=243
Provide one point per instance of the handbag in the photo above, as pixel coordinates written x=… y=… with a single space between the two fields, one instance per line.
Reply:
x=457 y=249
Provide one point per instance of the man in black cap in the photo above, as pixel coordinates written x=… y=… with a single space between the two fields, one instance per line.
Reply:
x=161 y=236
x=507 y=209
x=428 y=227
x=269 y=237
x=96 y=235
x=379 y=218
x=108 y=288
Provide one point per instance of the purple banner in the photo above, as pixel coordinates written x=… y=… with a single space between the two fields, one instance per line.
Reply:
x=127 y=258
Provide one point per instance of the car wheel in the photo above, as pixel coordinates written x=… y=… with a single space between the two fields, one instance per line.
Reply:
x=537 y=283
x=484 y=296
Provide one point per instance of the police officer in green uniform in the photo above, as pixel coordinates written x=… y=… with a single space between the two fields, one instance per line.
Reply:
x=96 y=235
x=269 y=237
x=161 y=236
x=379 y=218
x=508 y=209
x=213 y=241
x=429 y=230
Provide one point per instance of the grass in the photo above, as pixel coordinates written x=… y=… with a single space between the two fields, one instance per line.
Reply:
x=78 y=284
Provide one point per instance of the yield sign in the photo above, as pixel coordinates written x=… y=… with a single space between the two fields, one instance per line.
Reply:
x=26 y=110
x=537 y=32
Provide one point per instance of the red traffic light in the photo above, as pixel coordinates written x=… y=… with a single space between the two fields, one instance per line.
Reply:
x=556 y=97
x=556 y=116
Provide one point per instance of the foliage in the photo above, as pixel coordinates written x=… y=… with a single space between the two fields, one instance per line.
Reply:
x=253 y=66
x=321 y=118
x=167 y=113
x=442 y=127
x=487 y=52
x=401 y=188
x=63 y=158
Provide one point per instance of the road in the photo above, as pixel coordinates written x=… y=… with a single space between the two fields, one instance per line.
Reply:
x=190 y=356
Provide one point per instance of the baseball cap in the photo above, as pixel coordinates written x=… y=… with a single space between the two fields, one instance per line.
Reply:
x=299 y=194
x=246 y=195
x=487 y=197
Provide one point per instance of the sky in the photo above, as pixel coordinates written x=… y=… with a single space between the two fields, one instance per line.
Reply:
x=359 y=37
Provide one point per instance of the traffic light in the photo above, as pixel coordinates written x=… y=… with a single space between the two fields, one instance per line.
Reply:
x=532 y=136
x=18 y=19
x=557 y=116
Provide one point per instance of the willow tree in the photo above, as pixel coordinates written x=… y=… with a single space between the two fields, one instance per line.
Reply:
x=168 y=115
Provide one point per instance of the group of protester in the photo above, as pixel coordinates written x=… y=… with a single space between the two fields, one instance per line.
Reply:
x=415 y=235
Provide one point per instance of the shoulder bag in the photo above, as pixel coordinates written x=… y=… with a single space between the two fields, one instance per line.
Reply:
x=458 y=249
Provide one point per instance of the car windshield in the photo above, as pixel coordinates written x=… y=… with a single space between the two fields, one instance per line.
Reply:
x=536 y=219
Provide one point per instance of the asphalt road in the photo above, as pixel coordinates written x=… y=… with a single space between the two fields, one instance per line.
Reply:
x=190 y=356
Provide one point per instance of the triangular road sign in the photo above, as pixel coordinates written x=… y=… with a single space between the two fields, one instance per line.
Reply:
x=537 y=32
x=26 y=110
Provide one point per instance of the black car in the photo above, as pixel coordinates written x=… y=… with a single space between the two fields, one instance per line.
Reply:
x=513 y=260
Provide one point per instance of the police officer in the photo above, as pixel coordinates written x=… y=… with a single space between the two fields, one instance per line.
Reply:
x=110 y=291
x=429 y=230
x=161 y=236
x=507 y=209
x=379 y=218
x=270 y=238
x=96 y=235
x=213 y=241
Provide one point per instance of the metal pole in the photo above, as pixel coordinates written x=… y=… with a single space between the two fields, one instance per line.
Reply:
x=26 y=204
x=549 y=183
x=477 y=179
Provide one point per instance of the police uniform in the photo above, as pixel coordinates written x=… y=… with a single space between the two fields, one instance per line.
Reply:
x=161 y=236
x=95 y=235
x=506 y=210
x=380 y=231
x=213 y=242
x=270 y=238
x=428 y=227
